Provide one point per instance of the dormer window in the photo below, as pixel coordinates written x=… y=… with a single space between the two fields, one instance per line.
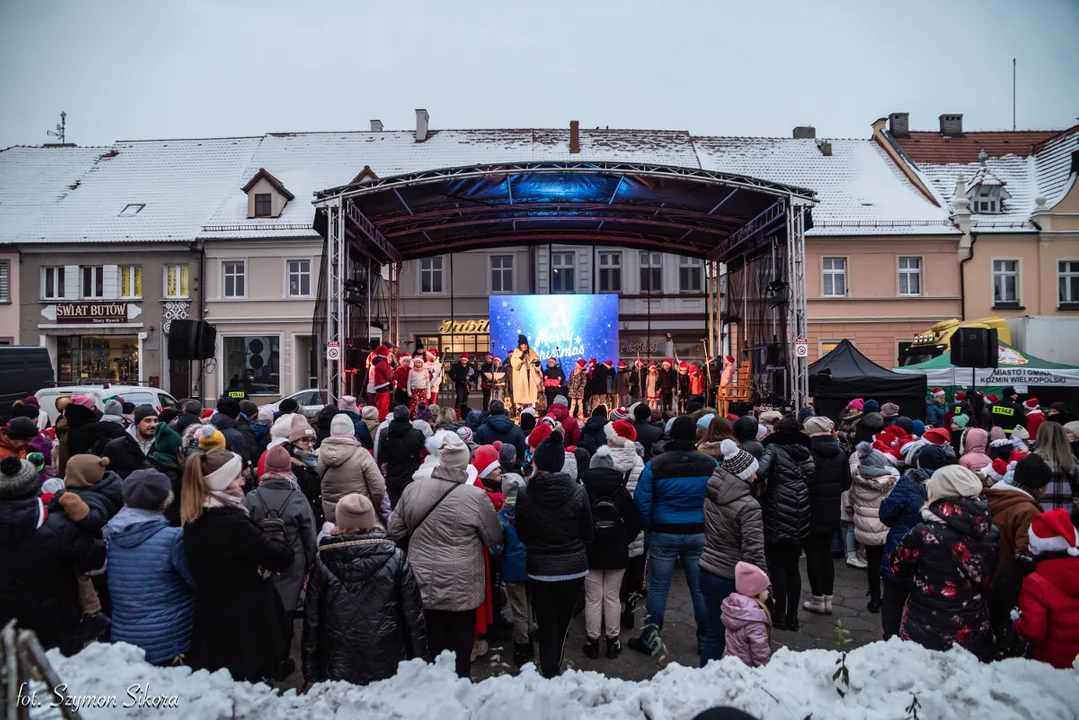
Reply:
x=266 y=195
x=986 y=200
x=985 y=190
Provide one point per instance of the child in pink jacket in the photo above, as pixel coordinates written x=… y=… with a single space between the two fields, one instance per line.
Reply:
x=746 y=618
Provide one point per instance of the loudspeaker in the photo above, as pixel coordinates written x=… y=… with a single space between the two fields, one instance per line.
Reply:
x=974 y=348
x=191 y=340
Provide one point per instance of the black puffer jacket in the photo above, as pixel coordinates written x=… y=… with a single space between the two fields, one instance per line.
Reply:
x=745 y=432
x=786 y=468
x=84 y=429
x=592 y=434
x=103 y=499
x=607 y=483
x=647 y=434
x=234 y=438
x=37 y=568
x=363 y=614
x=400 y=451
x=951 y=559
x=554 y=521
x=830 y=478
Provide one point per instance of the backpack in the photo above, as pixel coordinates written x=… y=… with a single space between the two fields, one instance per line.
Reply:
x=607 y=525
x=273 y=524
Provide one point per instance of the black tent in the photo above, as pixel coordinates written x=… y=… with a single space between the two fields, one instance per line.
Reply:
x=845 y=374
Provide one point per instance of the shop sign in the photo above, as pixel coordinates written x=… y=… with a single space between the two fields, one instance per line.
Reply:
x=91 y=313
x=465 y=327
x=641 y=347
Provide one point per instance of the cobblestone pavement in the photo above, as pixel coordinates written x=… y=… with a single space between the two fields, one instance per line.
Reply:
x=679 y=633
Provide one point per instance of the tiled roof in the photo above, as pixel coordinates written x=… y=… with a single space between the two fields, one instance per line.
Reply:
x=1017 y=175
x=34 y=179
x=1053 y=163
x=179 y=183
x=932 y=147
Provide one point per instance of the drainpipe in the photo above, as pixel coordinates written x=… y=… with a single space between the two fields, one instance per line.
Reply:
x=962 y=278
x=961 y=218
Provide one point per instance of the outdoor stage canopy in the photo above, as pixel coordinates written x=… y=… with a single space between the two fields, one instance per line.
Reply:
x=719 y=217
x=845 y=374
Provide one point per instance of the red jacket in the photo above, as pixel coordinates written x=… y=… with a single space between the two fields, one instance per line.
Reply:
x=1049 y=604
x=382 y=374
x=1035 y=418
x=569 y=424
x=400 y=376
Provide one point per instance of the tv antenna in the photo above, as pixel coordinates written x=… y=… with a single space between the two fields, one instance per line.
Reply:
x=61 y=128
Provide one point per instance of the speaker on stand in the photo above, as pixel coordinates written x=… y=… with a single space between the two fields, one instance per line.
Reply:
x=975 y=348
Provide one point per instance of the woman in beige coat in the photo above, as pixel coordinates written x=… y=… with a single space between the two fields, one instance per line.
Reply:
x=448 y=521
x=526 y=374
x=871 y=482
x=346 y=466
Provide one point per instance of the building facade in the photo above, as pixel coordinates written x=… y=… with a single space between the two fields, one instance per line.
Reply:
x=9 y=296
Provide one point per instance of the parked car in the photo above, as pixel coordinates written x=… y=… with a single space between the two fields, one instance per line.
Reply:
x=137 y=394
x=23 y=370
x=311 y=400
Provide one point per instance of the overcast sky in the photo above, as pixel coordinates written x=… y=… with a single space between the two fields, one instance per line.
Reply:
x=195 y=68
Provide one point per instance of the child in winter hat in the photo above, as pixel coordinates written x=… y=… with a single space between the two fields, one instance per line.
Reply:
x=82 y=474
x=1048 y=605
x=746 y=618
x=737 y=461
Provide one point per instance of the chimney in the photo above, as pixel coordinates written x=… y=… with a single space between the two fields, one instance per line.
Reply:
x=805 y=132
x=575 y=137
x=899 y=124
x=421 y=124
x=826 y=149
x=376 y=126
x=951 y=125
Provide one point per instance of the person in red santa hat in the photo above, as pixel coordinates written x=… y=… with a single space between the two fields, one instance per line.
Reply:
x=696 y=384
x=1048 y=615
x=486 y=373
x=668 y=386
x=683 y=386
x=578 y=381
x=597 y=384
x=937 y=410
x=380 y=381
x=463 y=375
x=400 y=379
x=653 y=386
x=433 y=367
x=1035 y=417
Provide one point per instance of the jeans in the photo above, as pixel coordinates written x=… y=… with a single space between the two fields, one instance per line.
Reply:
x=602 y=608
x=716 y=590
x=664 y=550
x=848 y=536
x=453 y=631
x=819 y=567
x=521 y=608
x=892 y=604
x=786 y=578
x=553 y=603
x=873 y=556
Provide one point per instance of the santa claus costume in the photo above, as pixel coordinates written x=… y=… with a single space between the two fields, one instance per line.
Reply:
x=433 y=366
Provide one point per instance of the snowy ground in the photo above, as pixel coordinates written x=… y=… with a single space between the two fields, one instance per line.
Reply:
x=884 y=679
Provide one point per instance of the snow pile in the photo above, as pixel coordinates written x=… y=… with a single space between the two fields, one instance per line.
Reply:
x=883 y=679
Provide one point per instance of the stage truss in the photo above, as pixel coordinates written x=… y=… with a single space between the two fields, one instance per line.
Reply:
x=391 y=220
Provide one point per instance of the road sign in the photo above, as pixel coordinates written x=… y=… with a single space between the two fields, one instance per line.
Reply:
x=333 y=350
x=801 y=348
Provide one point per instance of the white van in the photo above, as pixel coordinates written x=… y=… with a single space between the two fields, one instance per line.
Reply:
x=137 y=394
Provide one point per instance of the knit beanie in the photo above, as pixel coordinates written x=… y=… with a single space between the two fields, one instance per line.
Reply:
x=619 y=413
x=147 y=489
x=278 y=461
x=641 y=412
x=21 y=428
x=369 y=412
x=424 y=427
x=113 y=407
x=705 y=420
x=961 y=420
x=560 y=400
x=1031 y=473
x=52 y=485
x=750 y=580
x=511 y=485
x=872 y=421
x=683 y=428
x=210 y=438
x=953 y=481
x=474 y=419
x=248 y=408
x=871 y=406
x=872 y=462
x=818 y=425
x=144 y=411
x=857 y=403
x=300 y=428
x=1073 y=428
x=289 y=406
x=341 y=425
x=1053 y=532
x=508 y=453
x=348 y=403
x=452 y=452
x=166 y=440
x=18 y=479
x=602 y=458
x=931 y=457
x=569 y=465
x=84 y=470
x=265 y=414
x=486 y=458
x=917 y=427
x=465 y=433
x=550 y=454
x=600 y=411
x=737 y=461
x=889 y=410
x=528 y=420
x=355 y=512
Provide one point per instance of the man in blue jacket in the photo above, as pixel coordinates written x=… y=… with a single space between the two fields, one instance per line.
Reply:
x=937 y=409
x=499 y=426
x=670 y=495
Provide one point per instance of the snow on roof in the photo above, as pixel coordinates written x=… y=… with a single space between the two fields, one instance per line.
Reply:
x=884 y=678
x=1053 y=163
x=178 y=183
x=33 y=179
x=860 y=189
x=1017 y=174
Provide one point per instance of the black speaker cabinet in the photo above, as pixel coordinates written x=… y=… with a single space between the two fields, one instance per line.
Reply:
x=974 y=348
x=191 y=340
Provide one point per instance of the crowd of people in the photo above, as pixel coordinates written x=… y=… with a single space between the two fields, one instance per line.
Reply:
x=400 y=529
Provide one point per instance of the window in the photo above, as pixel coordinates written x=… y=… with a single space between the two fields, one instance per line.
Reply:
x=233 y=273
x=4 y=282
x=827 y=346
x=986 y=201
x=562 y=272
x=299 y=278
x=651 y=272
x=1067 y=282
x=689 y=274
x=52 y=283
x=431 y=275
x=910 y=276
x=263 y=205
x=501 y=273
x=834 y=282
x=176 y=281
x=610 y=272
x=132 y=209
x=131 y=281
x=93 y=281
x=1005 y=282
x=253 y=363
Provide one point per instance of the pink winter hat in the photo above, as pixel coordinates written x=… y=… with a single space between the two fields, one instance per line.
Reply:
x=857 y=403
x=750 y=580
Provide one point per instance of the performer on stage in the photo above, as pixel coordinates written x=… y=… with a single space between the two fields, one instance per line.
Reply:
x=418 y=384
x=400 y=379
x=487 y=380
x=668 y=384
x=462 y=374
x=653 y=387
x=498 y=381
x=622 y=385
x=683 y=386
x=526 y=374
x=611 y=399
x=433 y=366
x=578 y=380
x=598 y=386
x=553 y=380
x=696 y=385
x=381 y=381
x=636 y=382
